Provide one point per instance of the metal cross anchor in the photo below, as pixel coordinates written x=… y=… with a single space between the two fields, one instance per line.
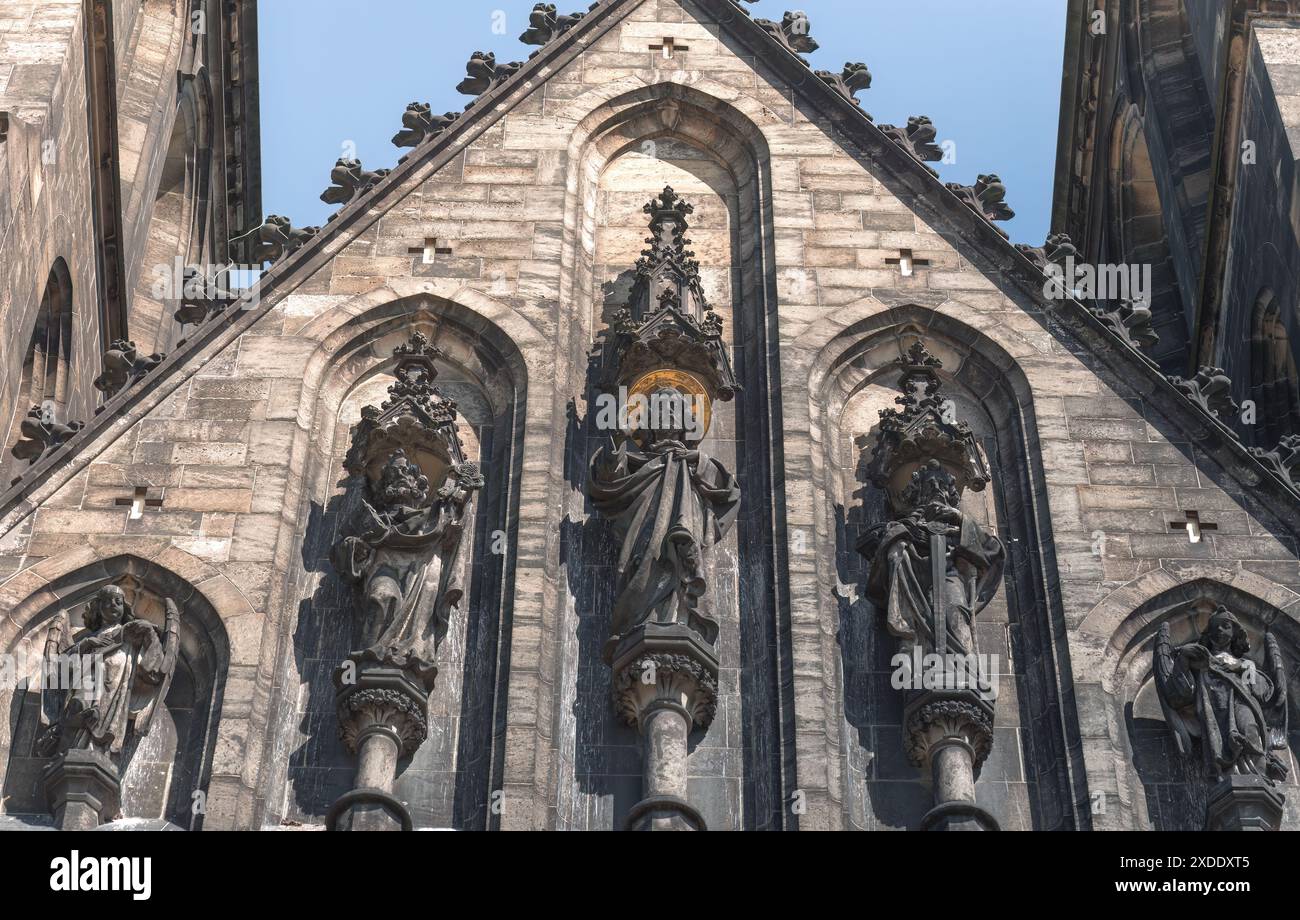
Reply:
x=668 y=46
x=139 y=502
x=1195 y=526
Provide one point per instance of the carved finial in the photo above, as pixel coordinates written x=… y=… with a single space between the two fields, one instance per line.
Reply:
x=1130 y=321
x=1284 y=460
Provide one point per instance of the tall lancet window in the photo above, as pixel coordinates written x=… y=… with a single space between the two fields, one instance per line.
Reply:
x=1275 y=385
x=46 y=371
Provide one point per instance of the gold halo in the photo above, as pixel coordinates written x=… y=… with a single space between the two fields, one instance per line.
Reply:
x=682 y=382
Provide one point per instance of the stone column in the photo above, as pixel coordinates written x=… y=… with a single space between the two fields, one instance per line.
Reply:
x=950 y=734
x=665 y=683
x=83 y=789
x=382 y=718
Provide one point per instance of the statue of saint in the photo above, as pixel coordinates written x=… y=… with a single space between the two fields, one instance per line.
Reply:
x=403 y=554
x=1213 y=691
x=903 y=568
x=671 y=504
x=125 y=668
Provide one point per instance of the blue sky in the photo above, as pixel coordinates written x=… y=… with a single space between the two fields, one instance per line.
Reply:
x=987 y=71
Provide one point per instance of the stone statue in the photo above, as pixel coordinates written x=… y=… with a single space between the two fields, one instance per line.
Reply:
x=402 y=554
x=133 y=665
x=1211 y=690
x=903 y=572
x=933 y=569
x=671 y=504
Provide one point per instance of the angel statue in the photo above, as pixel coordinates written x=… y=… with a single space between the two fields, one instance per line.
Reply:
x=126 y=665
x=1211 y=690
x=403 y=554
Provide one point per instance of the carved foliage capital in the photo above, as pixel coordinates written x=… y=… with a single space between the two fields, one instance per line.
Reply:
x=948 y=721
x=382 y=709
x=664 y=679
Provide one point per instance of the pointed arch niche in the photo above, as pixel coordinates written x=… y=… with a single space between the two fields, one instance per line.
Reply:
x=1164 y=790
x=46 y=374
x=447 y=782
x=168 y=772
x=1027 y=780
x=623 y=154
x=180 y=218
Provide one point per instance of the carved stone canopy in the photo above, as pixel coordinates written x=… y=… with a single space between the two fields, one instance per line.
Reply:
x=416 y=419
x=924 y=428
x=668 y=322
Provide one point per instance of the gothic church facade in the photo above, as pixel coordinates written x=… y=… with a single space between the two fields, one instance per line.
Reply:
x=362 y=551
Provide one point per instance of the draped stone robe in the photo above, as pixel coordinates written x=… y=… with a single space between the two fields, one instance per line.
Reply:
x=671 y=504
x=404 y=559
x=128 y=688
x=901 y=580
x=1226 y=693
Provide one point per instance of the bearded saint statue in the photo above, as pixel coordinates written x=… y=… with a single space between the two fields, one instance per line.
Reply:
x=902 y=579
x=125 y=666
x=1212 y=691
x=671 y=504
x=403 y=555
